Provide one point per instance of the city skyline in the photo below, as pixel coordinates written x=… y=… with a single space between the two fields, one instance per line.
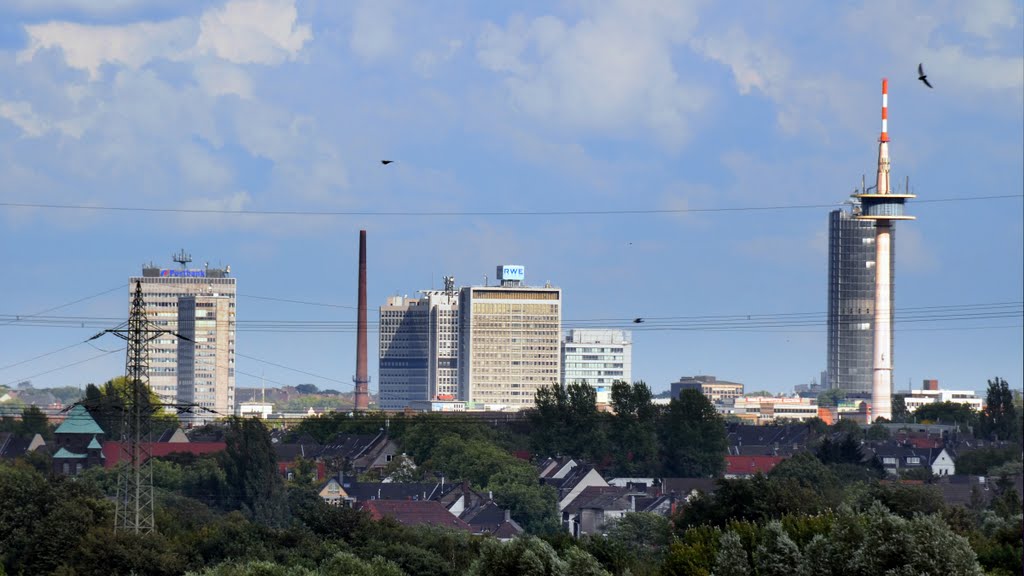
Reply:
x=490 y=114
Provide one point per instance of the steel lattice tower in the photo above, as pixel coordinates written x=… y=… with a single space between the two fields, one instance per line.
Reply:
x=134 y=512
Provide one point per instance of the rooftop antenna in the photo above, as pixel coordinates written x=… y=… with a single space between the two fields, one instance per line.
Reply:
x=183 y=258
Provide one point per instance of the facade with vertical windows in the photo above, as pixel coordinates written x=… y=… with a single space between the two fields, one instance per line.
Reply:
x=851 y=301
x=198 y=304
x=509 y=342
x=598 y=357
x=418 y=349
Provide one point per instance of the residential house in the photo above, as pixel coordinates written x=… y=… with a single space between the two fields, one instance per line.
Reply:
x=492 y=519
x=415 y=513
x=114 y=452
x=771 y=440
x=571 y=481
x=965 y=490
x=896 y=459
x=748 y=466
x=351 y=454
x=596 y=507
x=14 y=446
x=685 y=489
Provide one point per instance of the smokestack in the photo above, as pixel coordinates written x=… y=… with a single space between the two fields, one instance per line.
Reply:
x=361 y=379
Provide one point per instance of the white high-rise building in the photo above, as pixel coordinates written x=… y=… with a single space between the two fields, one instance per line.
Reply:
x=198 y=304
x=598 y=357
x=508 y=341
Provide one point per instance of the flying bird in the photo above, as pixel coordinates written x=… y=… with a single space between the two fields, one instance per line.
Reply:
x=386 y=162
x=922 y=76
x=638 y=321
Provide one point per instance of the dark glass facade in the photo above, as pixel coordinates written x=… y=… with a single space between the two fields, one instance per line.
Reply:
x=851 y=301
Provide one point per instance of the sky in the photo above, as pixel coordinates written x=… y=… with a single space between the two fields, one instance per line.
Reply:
x=694 y=115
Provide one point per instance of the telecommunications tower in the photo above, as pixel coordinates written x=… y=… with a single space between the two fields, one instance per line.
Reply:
x=884 y=207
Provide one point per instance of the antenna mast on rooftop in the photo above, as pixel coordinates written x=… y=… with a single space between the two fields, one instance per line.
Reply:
x=183 y=258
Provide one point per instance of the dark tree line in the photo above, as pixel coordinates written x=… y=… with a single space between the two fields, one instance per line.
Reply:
x=684 y=439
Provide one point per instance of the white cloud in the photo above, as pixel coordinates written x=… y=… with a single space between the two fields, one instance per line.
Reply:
x=21 y=115
x=426 y=62
x=986 y=19
x=373 y=29
x=222 y=79
x=253 y=32
x=610 y=72
x=88 y=47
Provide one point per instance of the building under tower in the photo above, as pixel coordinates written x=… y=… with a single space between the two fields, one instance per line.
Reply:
x=198 y=304
x=851 y=301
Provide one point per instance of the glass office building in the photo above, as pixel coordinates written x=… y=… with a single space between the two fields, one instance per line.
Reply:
x=851 y=301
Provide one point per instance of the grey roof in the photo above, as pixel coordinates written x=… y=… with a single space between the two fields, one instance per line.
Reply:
x=12 y=445
x=362 y=491
x=685 y=486
x=748 y=439
x=595 y=497
x=79 y=421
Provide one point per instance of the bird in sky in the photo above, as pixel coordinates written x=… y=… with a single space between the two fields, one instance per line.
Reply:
x=638 y=321
x=922 y=76
x=386 y=162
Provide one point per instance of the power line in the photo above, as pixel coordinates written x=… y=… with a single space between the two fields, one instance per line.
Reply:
x=65 y=305
x=15 y=381
x=457 y=213
x=292 y=369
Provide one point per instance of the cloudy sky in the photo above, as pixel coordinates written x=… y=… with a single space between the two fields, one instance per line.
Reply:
x=693 y=113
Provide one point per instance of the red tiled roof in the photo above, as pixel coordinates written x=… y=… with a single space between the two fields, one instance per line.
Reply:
x=741 y=465
x=112 y=450
x=414 y=513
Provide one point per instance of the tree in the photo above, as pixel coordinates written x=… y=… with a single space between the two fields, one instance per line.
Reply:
x=877 y=432
x=777 y=554
x=307 y=389
x=947 y=413
x=634 y=438
x=899 y=409
x=692 y=437
x=732 y=558
x=981 y=460
x=250 y=467
x=531 y=556
x=33 y=421
x=999 y=419
x=831 y=397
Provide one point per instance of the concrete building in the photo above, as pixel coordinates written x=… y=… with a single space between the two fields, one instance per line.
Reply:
x=404 y=349
x=931 y=394
x=769 y=409
x=598 y=357
x=851 y=301
x=508 y=341
x=419 y=348
x=718 y=391
x=198 y=304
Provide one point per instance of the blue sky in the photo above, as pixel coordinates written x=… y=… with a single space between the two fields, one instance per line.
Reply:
x=289 y=105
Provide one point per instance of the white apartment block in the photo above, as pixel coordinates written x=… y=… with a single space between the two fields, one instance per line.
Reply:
x=509 y=341
x=198 y=304
x=918 y=398
x=598 y=357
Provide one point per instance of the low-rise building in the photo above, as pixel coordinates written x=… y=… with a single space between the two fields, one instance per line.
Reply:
x=718 y=391
x=769 y=409
x=932 y=394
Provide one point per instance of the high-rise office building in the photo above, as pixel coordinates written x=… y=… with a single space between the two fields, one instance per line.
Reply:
x=598 y=357
x=198 y=304
x=508 y=341
x=402 y=368
x=419 y=348
x=851 y=301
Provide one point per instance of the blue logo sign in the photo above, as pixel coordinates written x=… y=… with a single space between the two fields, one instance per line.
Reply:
x=168 y=273
x=510 y=272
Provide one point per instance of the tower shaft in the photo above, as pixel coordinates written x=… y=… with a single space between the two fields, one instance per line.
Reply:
x=881 y=383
